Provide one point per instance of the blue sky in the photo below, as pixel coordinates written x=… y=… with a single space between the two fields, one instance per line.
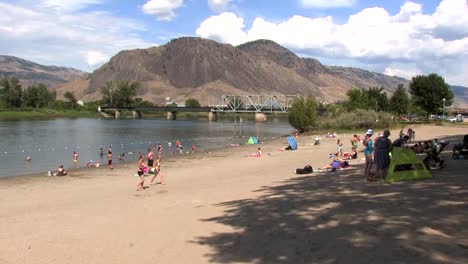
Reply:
x=396 y=37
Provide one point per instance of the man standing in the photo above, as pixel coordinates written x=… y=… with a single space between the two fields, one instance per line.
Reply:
x=150 y=158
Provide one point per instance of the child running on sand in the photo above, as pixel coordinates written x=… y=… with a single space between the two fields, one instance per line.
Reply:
x=157 y=171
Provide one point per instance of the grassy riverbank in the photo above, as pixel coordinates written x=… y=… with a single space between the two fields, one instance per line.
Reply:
x=44 y=113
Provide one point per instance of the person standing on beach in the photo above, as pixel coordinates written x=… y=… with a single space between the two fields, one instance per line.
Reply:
x=159 y=149
x=354 y=143
x=169 y=148
x=383 y=146
x=75 y=159
x=368 y=149
x=150 y=158
x=177 y=146
x=141 y=172
x=340 y=148
x=109 y=159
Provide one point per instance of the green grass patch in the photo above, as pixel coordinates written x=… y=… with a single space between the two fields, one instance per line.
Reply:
x=44 y=113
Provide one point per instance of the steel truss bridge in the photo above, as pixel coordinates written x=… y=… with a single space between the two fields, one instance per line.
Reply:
x=226 y=104
x=253 y=104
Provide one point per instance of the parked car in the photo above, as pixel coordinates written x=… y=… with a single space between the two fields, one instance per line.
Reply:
x=452 y=119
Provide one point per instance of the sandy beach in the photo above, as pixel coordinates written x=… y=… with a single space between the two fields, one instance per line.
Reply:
x=225 y=207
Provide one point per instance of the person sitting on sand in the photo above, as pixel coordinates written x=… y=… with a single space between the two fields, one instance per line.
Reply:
x=401 y=142
x=258 y=154
x=60 y=172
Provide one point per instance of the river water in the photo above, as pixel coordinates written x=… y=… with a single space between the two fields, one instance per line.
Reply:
x=50 y=143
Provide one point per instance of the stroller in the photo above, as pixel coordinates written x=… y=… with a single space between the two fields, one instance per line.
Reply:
x=432 y=160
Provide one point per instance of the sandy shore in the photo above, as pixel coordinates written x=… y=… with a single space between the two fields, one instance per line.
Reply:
x=224 y=207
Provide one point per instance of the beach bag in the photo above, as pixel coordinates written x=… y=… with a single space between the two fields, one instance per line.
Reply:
x=306 y=170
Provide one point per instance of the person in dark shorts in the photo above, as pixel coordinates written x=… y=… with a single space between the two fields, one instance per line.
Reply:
x=141 y=172
x=150 y=158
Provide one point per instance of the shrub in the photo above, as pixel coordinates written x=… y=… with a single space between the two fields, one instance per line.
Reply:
x=358 y=118
x=303 y=114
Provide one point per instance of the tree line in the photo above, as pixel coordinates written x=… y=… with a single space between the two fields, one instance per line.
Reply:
x=427 y=95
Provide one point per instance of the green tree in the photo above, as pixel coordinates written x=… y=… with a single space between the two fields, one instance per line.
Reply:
x=38 y=96
x=108 y=93
x=71 y=99
x=400 y=101
x=357 y=98
x=192 y=103
x=428 y=92
x=120 y=93
x=377 y=99
x=303 y=113
x=10 y=93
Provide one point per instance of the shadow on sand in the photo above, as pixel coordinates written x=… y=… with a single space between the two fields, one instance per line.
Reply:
x=339 y=218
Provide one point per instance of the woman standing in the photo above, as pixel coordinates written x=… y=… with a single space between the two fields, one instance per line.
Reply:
x=141 y=172
x=369 y=148
x=383 y=146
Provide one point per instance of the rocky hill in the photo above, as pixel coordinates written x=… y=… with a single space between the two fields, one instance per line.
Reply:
x=31 y=73
x=205 y=70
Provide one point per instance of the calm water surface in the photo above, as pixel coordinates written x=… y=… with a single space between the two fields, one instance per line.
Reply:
x=51 y=142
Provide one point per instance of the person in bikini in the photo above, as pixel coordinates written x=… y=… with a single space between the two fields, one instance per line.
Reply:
x=75 y=159
x=258 y=154
x=157 y=171
x=109 y=159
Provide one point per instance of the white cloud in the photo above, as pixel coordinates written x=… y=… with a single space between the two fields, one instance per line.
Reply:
x=69 y=5
x=76 y=39
x=95 y=57
x=401 y=72
x=429 y=42
x=162 y=9
x=226 y=27
x=326 y=3
x=218 y=5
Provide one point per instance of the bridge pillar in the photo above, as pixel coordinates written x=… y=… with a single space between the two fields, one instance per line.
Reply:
x=260 y=117
x=137 y=114
x=212 y=116
x=117 y=114
x=171 y=115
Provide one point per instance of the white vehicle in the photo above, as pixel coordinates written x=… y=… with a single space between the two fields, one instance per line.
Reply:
x=453 y=119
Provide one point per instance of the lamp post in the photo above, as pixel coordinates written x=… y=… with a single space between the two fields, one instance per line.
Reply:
x=443 y=111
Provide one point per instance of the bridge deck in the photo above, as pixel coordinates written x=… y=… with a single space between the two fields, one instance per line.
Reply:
x=191 y=109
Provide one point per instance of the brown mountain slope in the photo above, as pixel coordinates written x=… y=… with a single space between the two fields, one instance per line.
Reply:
x=204 y=69
x=31 y=73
